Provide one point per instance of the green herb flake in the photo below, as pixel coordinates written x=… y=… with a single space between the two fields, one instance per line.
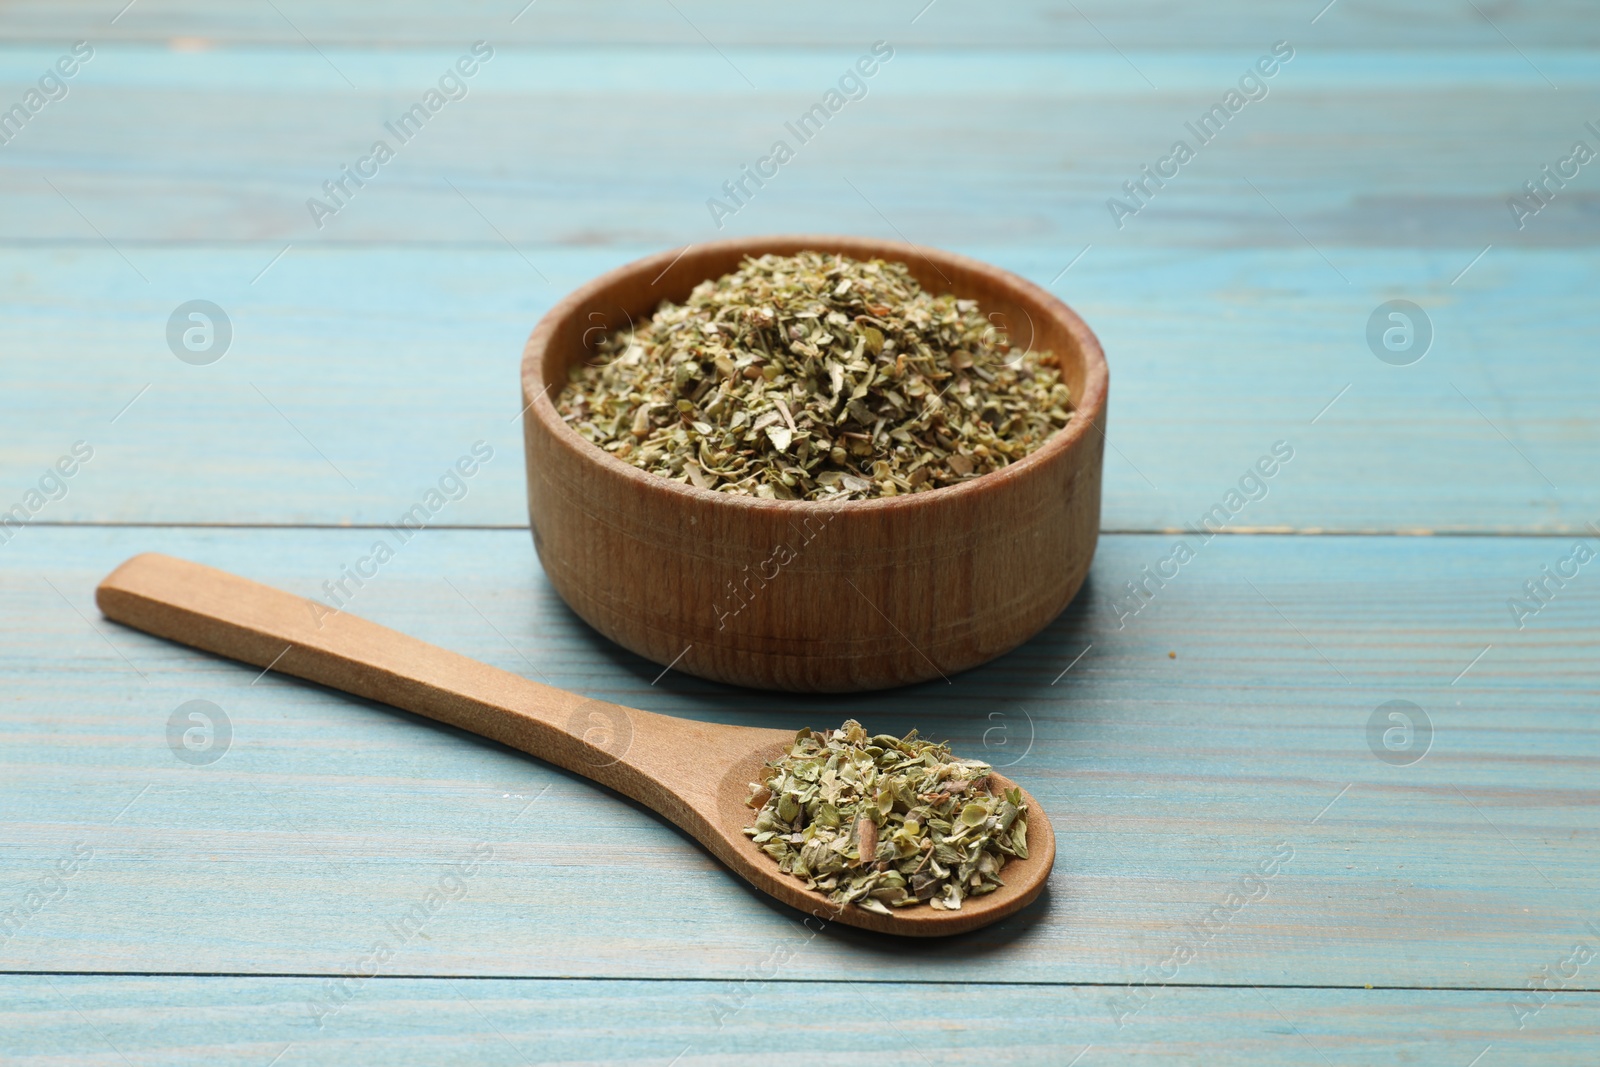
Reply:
x=883 y=822
x=817 y=377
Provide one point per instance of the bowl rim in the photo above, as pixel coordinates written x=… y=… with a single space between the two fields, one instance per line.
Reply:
x=540 y=405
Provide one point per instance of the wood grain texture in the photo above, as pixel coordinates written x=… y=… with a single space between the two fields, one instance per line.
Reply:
x=1168 y=780
x=430 y=1023
x=876 y=593
x=1217 y=355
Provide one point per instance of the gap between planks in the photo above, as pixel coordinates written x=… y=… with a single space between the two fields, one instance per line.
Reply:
x=1165 y=531
x=424 y=977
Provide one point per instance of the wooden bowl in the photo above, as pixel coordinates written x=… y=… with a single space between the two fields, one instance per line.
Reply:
x=812 y=596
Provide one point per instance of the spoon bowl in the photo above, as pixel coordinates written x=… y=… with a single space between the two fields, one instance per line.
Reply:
x=695 y=774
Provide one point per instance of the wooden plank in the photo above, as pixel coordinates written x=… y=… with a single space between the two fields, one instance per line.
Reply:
x=1169 y=779
x=1358 y=151
x=380 y=347
x=356 y=376
x=963 y=23
x=112 y=1021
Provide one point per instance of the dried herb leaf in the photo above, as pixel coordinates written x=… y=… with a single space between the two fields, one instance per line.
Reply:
x=884 y=822
x=817 y=377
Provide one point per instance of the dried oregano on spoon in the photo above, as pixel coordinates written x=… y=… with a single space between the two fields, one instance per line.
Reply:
x=817 y=377
x=886 y=822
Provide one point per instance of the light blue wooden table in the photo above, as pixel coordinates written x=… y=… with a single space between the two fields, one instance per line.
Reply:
x=1431 y=872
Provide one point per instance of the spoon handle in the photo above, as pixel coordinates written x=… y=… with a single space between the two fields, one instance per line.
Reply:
x=244 y=620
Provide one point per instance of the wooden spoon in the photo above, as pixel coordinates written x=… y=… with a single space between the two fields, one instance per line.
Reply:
x=696 y=774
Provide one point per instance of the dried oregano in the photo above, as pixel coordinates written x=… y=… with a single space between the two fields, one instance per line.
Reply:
x=817 y=377
x=886 y=821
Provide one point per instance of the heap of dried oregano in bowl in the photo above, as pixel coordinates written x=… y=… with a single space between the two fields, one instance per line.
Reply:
x=817 y=377
x=886 y=821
